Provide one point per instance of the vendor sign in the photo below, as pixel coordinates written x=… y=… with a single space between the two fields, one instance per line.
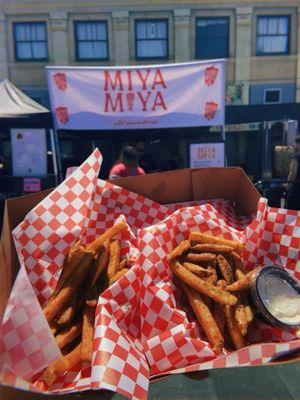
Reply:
x=158 y=96
x=206 y=155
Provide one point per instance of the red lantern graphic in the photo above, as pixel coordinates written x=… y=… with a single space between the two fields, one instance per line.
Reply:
x=61 y=80
x=130 y=100
x=62 y=114
x=210 y=75
x=210 y=109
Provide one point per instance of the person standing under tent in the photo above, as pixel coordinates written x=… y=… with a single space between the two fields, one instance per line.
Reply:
x=293 y=186
x=128 y=164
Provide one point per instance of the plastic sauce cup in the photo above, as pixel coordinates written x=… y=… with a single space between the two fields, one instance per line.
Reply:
x=275 y=297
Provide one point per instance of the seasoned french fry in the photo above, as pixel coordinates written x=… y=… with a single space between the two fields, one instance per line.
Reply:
x=91 y=297
x=68 y=335
x=213 y=277
x=87 y=333
x=240 y=318
x=236 y=337
x=109 y=234
x=197 y=269
x=205 y=318
x=53 y=327
x=68 y=311
x=123 y=264
x=56 y=304
x=249 y=314
x=101 y=263
x=118 y=275
x=60 y=366
x=225 y=269
x=239 y=274
x=179 y=250
x=198 y=237
x=114 y=261
x=201 y=257
x=211 y=248
x=202 y=286
x=219 y=316
x=238 y=262
x=241 y=284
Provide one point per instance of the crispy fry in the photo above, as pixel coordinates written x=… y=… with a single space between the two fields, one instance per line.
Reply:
x=53 y=327
x=241 y=284
x=202 y=286
x=221 y=284
x=87 y=334
x=55 y=305
x=219 y=316
x=114 y=261
x=249 y=314
x=198 y=237
x=68 y=335
x=109 y=234
x=239 y=274
x=91 y=296
x=179 y=250
x=213 y=277
x=237 y=260
x=211 y=248
x=236 y=337
x=68 y=311
x=60 y=366
x=225 y=269
x=118 y=275
x=205 y=318
x=201 y=257
x=101 y=263
x=197 y=270
x=240 y=318
x=123 y=264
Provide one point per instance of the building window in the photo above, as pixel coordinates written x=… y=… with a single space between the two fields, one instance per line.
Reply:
x=212 y=37
x=272 y=96
x=30 y=39
x=151 y=39
x=273 y=35
x=91 y=40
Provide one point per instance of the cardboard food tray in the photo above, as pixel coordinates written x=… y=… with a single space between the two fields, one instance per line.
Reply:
x=167 y=187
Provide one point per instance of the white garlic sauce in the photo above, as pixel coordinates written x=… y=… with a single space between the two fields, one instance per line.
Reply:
x=281 y=299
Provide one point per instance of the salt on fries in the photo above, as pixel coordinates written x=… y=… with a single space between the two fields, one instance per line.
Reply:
x=70 y=311
x=211 y=272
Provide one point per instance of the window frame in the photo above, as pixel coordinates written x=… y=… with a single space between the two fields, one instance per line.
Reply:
x=136 y=20
x=270 y=90
x=280 y=53
x=227 y=17
x=18 y=23
x=75 y=24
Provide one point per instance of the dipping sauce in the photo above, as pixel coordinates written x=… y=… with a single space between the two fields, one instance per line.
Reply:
x=276 y=297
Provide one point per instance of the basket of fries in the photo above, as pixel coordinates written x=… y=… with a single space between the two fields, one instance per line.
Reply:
x=116 y=289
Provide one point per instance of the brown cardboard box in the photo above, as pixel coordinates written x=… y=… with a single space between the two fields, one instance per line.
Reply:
x=166 y=187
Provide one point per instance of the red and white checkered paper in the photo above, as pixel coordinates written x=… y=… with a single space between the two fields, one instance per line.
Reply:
x=173 y=343
x=79 y=207
x=85 y=207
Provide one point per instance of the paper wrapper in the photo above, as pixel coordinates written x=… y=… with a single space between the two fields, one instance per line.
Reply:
x=82 y=206
x=135 y=324
x=173 y=343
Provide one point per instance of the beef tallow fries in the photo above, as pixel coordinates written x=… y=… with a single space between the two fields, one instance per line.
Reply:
x=70 y=311
x=211 y=273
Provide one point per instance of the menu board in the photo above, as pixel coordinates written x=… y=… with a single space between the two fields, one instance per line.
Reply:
x=29 y=152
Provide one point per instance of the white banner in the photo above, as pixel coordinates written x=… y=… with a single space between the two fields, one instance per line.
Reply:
x=158 y=96
x=29 y=152
x=207 y=155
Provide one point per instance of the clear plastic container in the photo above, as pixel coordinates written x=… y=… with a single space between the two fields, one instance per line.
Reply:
x=275 y=297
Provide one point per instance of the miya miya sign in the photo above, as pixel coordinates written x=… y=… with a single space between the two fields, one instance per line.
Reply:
x=164 y=96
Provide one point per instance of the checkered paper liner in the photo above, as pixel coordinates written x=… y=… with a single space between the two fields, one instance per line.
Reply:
x=72 y=210
x=172 y=342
